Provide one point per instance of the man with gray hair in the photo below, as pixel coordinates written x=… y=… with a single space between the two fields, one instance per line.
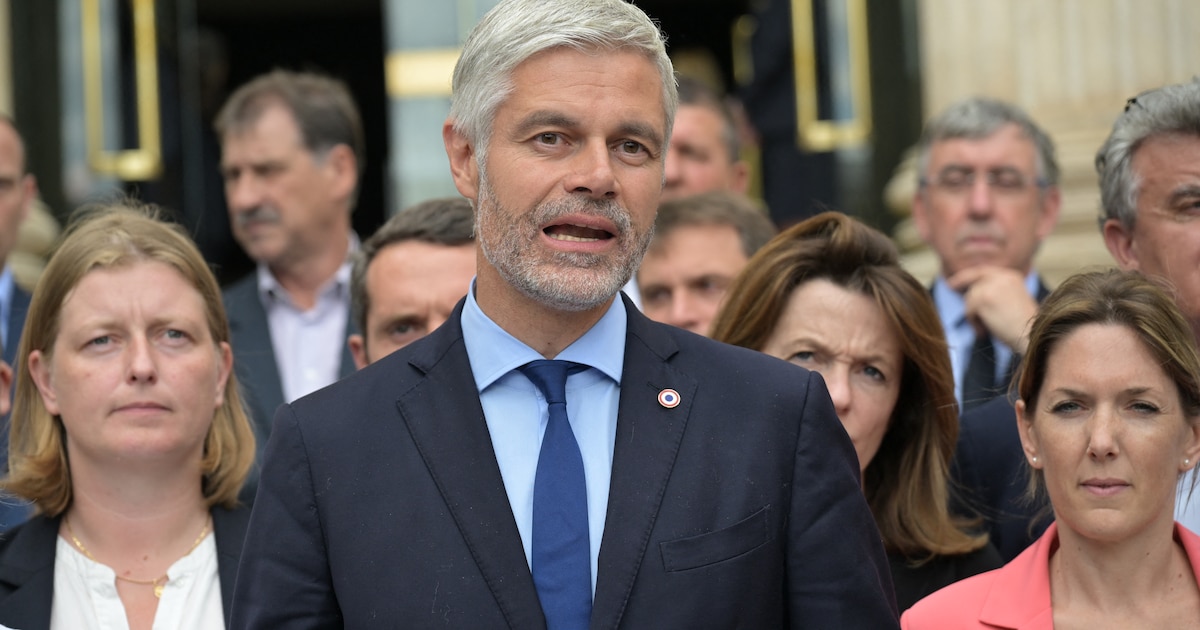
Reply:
x=408 y=277
x=1149 y=175
x=291 y=157
x=700 y=245
x=549 y=457
x=987 y=197
x=1150 y=197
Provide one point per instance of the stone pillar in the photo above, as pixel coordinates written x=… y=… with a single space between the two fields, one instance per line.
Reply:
x=1071 y=64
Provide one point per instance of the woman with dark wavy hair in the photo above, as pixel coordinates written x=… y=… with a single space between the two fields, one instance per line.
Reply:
x=829 y=294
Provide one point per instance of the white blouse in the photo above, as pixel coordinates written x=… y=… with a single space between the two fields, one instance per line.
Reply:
x=85 y=593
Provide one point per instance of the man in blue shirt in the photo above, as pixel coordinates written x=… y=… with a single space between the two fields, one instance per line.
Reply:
x=987 y=197
x=694 y=484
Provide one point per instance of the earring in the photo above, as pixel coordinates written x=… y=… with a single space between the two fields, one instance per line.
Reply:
x=1035 y=459
x=1187 y=463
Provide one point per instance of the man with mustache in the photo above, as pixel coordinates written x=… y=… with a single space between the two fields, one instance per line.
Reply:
x=291 y=158
x=987 y=197
x=549 y=457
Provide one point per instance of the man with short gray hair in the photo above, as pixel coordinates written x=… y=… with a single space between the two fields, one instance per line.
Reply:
x=1149 y=171
x=1149 y=175
x=987 y=197
x=291 y=157
x=549 y=457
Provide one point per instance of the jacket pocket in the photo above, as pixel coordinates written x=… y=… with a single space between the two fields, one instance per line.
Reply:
x=694 y=552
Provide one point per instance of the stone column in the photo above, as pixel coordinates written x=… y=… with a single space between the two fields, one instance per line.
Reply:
x=1071 y=64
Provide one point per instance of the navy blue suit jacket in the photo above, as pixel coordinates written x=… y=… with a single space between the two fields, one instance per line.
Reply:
x=381 y=504
x=16 y=324
x=991 y=473
x=27 y=566
x=254 y=356
x=12 y=511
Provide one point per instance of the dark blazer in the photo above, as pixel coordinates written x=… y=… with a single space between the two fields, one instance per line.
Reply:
x=16 y=324
x=989 y=470
x=913 y=583
x=381 y=503
x=254 y=356
x=13 y=511
x=27 y=566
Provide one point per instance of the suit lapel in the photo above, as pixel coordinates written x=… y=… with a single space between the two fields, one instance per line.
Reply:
x=27 y=574
x=16 y=323
x=229 y=531
x=648 y=439
x=1019 y=594
x=445 y=419
x=254 y=356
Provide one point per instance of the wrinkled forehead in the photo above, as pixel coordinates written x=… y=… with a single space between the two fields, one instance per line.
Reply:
x=1007 y=145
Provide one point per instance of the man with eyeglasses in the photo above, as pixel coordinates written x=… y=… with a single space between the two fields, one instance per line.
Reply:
x=1149 y=170
x=988 y=196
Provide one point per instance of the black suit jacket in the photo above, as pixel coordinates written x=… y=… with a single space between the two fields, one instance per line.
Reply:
x=27 y=566
x=381 y=502
x=254 y=356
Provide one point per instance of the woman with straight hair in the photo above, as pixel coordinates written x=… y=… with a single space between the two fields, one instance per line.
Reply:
x=1109 y=418
x=127 y=435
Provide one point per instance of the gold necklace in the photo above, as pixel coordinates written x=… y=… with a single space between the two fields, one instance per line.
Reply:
x=159 y=582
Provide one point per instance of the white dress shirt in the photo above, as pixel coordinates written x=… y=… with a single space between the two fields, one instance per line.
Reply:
x=85 y=593
x=308 y=344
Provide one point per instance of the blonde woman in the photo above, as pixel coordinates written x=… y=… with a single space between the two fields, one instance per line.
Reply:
x=127 y=435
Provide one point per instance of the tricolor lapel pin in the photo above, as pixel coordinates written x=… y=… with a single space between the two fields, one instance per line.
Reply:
x=668 y=398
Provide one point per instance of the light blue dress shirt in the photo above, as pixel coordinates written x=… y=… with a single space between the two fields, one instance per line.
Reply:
x=517 y=414
x=960 y=335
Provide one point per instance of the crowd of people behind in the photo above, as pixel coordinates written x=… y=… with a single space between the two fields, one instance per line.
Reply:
x=461 y=420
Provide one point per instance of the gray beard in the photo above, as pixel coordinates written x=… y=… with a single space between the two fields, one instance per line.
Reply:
x=566 y=281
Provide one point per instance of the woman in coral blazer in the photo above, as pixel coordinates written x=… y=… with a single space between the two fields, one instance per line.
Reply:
x=1109 y=418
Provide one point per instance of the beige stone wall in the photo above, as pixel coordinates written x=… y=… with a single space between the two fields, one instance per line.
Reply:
x=1071 y=64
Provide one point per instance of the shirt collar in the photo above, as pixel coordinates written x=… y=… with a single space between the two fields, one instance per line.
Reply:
x=494 y=352
x=269 y=288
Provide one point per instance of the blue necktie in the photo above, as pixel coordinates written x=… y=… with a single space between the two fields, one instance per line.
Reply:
x=562 y=557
